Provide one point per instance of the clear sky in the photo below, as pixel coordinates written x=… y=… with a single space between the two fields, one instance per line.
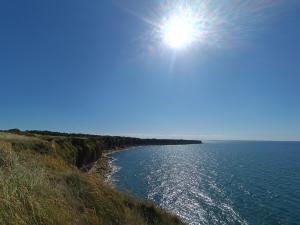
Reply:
x=102 y=67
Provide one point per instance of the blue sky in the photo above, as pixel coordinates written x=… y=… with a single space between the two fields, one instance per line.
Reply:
x=98 y=67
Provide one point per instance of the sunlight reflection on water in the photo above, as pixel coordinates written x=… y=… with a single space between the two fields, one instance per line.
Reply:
x=217 y=183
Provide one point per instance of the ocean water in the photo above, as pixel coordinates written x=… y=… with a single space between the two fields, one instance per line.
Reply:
x=255 y=183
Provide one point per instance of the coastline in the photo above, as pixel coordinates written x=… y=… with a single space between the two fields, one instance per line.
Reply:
x=105 y=167
x=61 y=188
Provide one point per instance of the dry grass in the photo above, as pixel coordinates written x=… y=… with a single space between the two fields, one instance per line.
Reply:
x=45 y=189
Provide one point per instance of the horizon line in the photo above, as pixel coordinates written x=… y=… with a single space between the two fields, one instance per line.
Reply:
x=196 y=137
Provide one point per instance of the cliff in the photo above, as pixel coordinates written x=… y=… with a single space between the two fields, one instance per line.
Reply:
x=84 y=149
x=43 y=181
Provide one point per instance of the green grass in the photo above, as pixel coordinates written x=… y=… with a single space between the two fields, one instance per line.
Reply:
x=41 y=187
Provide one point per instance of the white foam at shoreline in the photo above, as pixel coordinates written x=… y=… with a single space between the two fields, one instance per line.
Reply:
x=113 y=169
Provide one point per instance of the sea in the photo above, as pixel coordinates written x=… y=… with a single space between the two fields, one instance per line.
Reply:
x=218 y=182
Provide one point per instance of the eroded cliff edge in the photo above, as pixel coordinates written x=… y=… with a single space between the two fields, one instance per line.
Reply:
x=84 y=149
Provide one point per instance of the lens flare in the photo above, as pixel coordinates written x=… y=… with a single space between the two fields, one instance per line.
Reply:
x=202 y=24
x=179 y=30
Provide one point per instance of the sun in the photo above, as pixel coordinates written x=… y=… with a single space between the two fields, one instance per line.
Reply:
x=179 y=30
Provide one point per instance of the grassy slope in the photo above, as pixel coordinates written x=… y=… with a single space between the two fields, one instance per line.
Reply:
x=41 y=185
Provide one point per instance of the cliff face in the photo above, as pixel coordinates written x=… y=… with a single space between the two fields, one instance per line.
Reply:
x=82 y=149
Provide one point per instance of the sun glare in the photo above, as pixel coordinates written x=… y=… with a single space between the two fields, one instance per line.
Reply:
x=179 y=30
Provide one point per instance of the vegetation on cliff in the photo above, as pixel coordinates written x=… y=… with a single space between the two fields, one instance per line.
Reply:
x=43 y=182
